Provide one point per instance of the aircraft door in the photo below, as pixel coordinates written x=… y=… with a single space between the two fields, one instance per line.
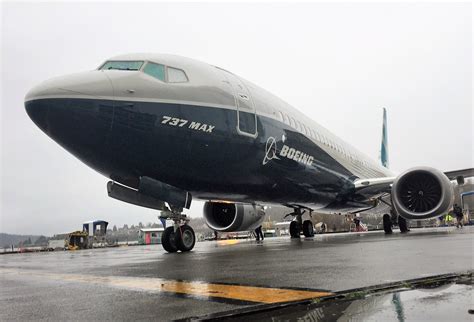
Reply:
x=246 y=113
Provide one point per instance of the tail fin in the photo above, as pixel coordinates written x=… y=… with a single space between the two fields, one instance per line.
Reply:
x=384 y=145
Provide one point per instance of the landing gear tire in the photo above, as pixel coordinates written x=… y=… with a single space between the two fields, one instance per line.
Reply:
x=295 y=229
x=308 y=229
x=185 y=238
x=403 y=225
x=387 y=224
x=169 y=240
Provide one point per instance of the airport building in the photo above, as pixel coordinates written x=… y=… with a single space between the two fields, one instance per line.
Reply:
x=148 y=236
x=97 y=231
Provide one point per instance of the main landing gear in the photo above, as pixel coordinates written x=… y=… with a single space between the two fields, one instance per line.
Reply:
x=180 y=236
x=387 y=224
x=390 y=219
x=298 y=225
x=403 y=225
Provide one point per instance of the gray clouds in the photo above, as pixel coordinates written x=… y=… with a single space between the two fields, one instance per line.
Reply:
x=337 y=63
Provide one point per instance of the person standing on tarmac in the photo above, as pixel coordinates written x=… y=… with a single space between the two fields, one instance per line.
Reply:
x=258 y=232
x=357 y=223
x=457 y=211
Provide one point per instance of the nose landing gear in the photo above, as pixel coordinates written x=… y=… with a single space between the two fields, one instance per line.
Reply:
x=168 y=240
x=186 y=239
x=180 y=236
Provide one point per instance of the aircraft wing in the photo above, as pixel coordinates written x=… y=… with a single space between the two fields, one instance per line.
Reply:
x=374 y=186
x=466 y=173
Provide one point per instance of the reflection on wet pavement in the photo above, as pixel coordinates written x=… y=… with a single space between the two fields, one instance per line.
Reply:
x=429 y=302
x=145 y=283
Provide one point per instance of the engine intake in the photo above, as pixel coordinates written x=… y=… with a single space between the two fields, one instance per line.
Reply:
x=224 y=216
x=422 y=193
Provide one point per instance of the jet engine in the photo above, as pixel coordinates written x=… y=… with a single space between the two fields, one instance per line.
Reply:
x=226 y=216
x=422 y=193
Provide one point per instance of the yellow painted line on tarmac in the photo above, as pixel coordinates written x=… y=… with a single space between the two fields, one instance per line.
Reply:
x=198 y=289
x=227 y=242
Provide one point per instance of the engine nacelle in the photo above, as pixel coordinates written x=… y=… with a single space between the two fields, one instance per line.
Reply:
x=224 y=216
x=422 y=193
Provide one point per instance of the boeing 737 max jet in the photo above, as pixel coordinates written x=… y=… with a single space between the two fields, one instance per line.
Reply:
x=165 y=129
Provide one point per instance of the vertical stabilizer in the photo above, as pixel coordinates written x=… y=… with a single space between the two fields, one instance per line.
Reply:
x=384 y=145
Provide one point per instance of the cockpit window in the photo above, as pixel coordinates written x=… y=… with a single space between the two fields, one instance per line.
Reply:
x=122 y=65
x=155 y=70
x=176 y=75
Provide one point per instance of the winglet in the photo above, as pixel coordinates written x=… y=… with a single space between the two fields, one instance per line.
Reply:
x=384 y=144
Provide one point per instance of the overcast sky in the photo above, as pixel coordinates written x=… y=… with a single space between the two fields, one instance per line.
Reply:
x=337 y=63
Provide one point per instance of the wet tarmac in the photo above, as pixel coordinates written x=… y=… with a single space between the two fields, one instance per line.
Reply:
x=144 y=282
x=447 y=299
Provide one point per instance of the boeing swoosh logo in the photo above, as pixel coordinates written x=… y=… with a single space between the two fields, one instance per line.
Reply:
x=270 y=151
x=285 y=152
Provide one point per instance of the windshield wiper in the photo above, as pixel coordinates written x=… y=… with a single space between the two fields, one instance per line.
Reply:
x=117 y=68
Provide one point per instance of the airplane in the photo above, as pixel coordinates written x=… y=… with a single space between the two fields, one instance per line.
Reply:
x=167 y=129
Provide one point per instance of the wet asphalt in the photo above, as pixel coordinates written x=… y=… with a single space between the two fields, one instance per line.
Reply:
x=443 y=300
x=108 y=284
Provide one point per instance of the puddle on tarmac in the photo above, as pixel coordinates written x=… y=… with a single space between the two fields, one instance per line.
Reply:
x=447 y=302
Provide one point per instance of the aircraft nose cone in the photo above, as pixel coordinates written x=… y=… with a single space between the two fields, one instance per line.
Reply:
x=75 y=111
x=38 y=114
x=68 y=98
x=87 y=84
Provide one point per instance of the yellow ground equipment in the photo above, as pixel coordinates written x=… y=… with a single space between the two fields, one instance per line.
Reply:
x=78 y=240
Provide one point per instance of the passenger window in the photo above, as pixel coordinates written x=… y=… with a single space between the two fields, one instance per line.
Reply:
x=292 y=122
x=176 y=75
x=285 y=119
x=280 y=116
x=155 y=70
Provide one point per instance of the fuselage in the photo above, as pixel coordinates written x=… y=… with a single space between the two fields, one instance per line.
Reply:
x=199 y=128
